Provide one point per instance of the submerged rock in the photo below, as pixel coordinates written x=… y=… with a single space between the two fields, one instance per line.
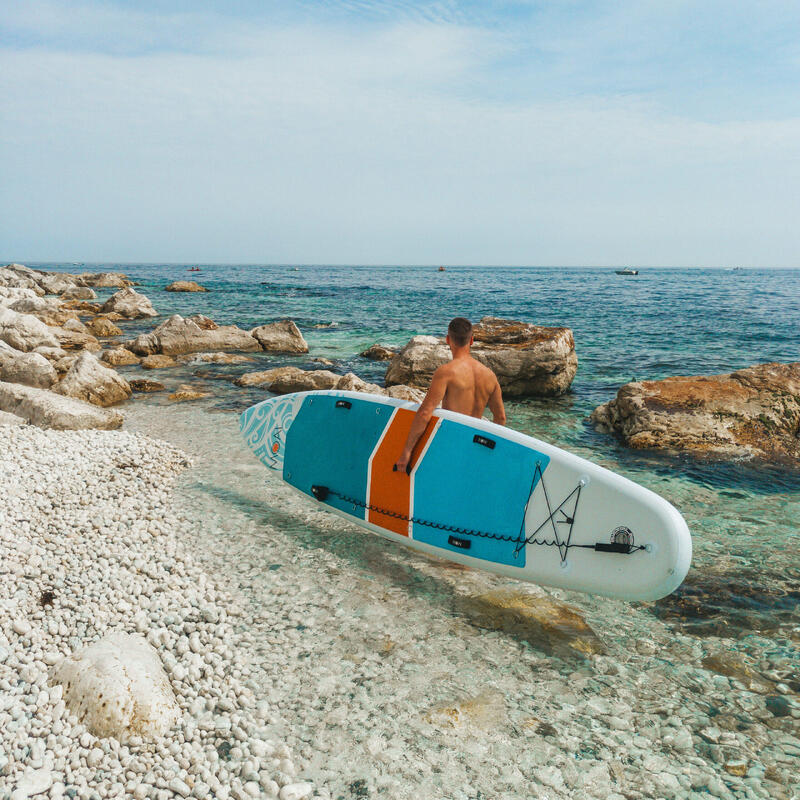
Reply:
x=280 y=337
x=130 y=304
x=751 y=412
x=117 y=687
x=50 y=410
x=377 y=352
x=145 y=385
x=537 y=619
x=215 y=358
x=158 y=361
x=529 y=360
x=89 y=380
x=185 y=286
x=187 y=392
x=177 y=335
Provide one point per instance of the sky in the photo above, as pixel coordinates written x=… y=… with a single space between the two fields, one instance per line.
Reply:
x=497 y=132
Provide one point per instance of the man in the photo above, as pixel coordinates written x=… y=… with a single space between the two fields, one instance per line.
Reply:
x=463 y=384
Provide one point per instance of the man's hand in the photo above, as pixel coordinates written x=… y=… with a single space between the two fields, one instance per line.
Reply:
x=401 y=465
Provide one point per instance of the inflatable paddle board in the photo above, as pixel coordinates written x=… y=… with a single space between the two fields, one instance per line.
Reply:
x=476 y=493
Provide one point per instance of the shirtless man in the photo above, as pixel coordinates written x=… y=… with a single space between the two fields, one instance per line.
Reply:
x=463 y=384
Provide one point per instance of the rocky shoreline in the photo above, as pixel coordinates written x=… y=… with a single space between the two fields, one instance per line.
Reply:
x=124 y=669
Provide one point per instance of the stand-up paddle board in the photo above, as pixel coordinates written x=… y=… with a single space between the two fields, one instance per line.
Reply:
x=477 y=493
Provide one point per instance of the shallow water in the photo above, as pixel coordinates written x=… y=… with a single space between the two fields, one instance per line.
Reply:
x=398 y=675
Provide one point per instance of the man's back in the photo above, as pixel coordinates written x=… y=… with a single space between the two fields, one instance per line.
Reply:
x=470 y=386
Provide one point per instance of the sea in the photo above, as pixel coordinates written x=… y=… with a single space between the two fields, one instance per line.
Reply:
x=403 y=676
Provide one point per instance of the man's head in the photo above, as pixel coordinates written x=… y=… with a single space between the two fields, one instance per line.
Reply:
x=459 y=332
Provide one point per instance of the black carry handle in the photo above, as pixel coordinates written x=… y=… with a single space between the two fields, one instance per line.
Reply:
x=408 y=468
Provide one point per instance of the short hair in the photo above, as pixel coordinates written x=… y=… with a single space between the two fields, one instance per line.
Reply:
x=460 y=331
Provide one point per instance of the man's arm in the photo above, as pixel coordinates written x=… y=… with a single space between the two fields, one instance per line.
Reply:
x=496 y=405
x=432 y=399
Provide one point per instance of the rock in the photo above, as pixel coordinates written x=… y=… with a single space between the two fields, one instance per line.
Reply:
x=35 y=305
x=105 y=280
x=754 y=412
x=737 y=767
x=402 y=392
x=117 y=687
x=350 y=382
x=12 y=276
x=130 y=304
x=177 y=335
x=10 y=419
x=56 y=282
x=85 y=307
x=103 y=326
x=33 y=782
x=296 y=791
x=778 y=706
x=30 y=369
x=544 y=622
x=75 y=325
x=187 y=392
x=529 y=360
x=25 y=332
x=90 y=381
x=377 y=352
x=280 y=337
x=215 y=358
x=486 y=710
x=283 y=380
x=119 y=357
x=204 y=322
x=185 y=286
x=50 y=410
x=145 y=385
x=75 y=340
x=79 y=293
x=158 y=362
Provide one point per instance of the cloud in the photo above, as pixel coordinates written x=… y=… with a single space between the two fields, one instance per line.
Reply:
x=371 y=144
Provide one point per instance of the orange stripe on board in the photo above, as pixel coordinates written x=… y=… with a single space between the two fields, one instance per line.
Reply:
x=392 y=490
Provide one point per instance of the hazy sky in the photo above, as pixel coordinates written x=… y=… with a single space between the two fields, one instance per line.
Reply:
x=650 y=132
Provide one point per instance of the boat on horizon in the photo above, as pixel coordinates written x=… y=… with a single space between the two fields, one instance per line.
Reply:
x=627 y=271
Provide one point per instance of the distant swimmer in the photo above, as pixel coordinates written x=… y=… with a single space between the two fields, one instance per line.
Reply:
x=463 y=384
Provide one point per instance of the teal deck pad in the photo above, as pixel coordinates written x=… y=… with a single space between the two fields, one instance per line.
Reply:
x=330 y=446
x=461 y=483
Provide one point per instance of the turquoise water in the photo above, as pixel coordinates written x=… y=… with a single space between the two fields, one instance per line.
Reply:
x=725 y=644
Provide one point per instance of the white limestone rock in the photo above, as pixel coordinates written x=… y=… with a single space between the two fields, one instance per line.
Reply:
x=280 y=337
x=10 y=419
x=117 y=687
x=25 y=332
x=130 y=304
x=30 y=369
x=79 y=293
x=176 y=336
x=88 y=380
x=47 y=409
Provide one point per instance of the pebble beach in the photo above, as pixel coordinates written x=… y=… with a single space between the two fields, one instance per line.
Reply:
x=293 y=656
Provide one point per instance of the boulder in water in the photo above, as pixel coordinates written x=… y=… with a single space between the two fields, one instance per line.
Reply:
x=529 y=360
x=280 y=337
x=130 y=304
x=753 y=412
x=90 y=381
